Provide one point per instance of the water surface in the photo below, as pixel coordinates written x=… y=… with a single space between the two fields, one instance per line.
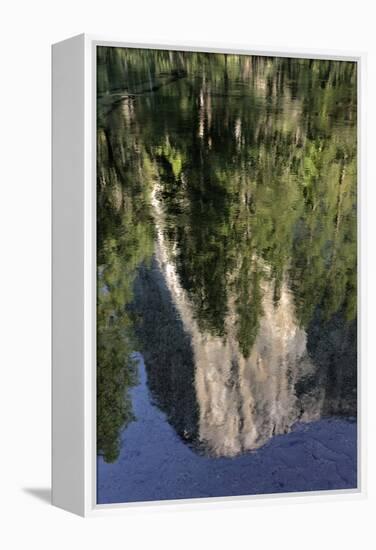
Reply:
x=227 y=258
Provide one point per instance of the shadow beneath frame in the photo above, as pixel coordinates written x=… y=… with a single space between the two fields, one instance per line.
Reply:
x=41 y=493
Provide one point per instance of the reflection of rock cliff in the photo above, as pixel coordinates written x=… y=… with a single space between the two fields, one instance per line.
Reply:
x=214 y=396
x=243 y=402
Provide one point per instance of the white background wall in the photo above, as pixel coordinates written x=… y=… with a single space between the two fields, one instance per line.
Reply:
x=28 y=28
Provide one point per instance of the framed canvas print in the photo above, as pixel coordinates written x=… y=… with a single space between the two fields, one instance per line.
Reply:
x=206 y=274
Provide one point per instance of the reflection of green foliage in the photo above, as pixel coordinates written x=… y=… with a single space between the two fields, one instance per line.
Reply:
x=248 y=307
x=325 y=258
x=173 y=158
x=115 y=373
x=125 y=239
x=255 y=158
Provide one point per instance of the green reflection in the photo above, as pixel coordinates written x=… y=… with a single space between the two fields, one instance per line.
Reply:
x=124 y=241
x=253 y=160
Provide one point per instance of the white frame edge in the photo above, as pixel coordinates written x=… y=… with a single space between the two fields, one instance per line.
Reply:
x=74 y=278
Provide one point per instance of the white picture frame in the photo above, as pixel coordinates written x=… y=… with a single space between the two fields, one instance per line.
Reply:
x=74 y=275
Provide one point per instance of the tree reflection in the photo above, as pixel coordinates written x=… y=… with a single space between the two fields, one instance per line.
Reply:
x=252 y=164
x=124 y=241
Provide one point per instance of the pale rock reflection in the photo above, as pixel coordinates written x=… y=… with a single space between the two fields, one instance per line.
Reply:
x=242 y=402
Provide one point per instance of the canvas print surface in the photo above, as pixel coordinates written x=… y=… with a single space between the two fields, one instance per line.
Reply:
x=226 y=275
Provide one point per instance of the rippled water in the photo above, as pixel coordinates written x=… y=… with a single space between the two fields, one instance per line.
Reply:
x=226 y=256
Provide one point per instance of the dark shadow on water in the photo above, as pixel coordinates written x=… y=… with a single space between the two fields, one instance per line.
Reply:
x=41 y=493
x=167 y=351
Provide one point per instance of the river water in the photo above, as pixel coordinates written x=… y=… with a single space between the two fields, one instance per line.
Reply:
x=226 y=207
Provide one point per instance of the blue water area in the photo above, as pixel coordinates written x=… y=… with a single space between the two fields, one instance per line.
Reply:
x=155 y=464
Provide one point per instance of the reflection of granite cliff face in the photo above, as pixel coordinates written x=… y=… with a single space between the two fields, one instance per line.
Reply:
x=244 y=401
x=215 y=397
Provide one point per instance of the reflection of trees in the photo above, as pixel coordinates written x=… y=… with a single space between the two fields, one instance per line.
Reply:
x=124 y=241
x=255 y=160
